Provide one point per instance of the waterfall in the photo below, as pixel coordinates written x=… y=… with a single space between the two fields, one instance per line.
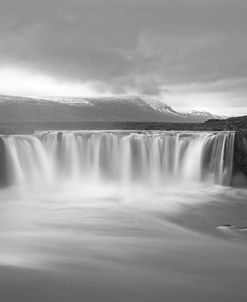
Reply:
x=152 y=157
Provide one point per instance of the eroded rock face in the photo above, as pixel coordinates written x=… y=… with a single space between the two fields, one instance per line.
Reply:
x=240 y=159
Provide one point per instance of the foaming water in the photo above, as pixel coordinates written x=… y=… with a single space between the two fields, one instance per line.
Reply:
x=151 y=157
x=120 y=216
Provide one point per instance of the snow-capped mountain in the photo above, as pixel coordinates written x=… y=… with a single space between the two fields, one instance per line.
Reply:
x=201 y=115
x=112 y=109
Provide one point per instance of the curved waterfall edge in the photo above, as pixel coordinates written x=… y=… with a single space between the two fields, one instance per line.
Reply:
x=150 y=157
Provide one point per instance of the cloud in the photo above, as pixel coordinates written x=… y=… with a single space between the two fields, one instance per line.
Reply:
x=126 y=46
x=31 y=84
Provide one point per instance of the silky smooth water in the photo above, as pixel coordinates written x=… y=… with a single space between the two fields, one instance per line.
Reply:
x=151 y=157
x=120 y=216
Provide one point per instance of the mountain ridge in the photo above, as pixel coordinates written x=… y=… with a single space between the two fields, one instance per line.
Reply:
x=117 y=108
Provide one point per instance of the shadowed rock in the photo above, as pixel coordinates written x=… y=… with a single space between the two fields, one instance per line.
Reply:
x=240 y=159
x=3 y=168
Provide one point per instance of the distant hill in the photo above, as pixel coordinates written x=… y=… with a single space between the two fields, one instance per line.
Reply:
x=108 y=109
x=233 y=123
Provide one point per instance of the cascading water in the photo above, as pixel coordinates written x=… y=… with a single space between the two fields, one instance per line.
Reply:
x=155 y=157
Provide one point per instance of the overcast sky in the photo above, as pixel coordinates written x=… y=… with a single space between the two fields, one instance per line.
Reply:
x=188 y=53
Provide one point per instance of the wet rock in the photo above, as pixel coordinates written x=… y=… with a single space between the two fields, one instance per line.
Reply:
x=240 y=159
x=59 y=136
x=3 y=167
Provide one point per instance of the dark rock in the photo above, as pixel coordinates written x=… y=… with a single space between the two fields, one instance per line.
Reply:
x=233 y=123
x=3 y=167
x=240 y=159
x=59 y=136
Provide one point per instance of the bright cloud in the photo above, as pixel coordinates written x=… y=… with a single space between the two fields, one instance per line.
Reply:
x=19 y=82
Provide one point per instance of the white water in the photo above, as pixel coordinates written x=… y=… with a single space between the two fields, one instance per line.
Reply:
x=151 y=157
x=96 y=240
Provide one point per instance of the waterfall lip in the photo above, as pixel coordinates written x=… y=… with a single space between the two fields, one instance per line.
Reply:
x=133 y=130
x=39 y=132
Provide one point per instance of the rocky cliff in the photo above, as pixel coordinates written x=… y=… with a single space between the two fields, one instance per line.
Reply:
x=240 y=159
